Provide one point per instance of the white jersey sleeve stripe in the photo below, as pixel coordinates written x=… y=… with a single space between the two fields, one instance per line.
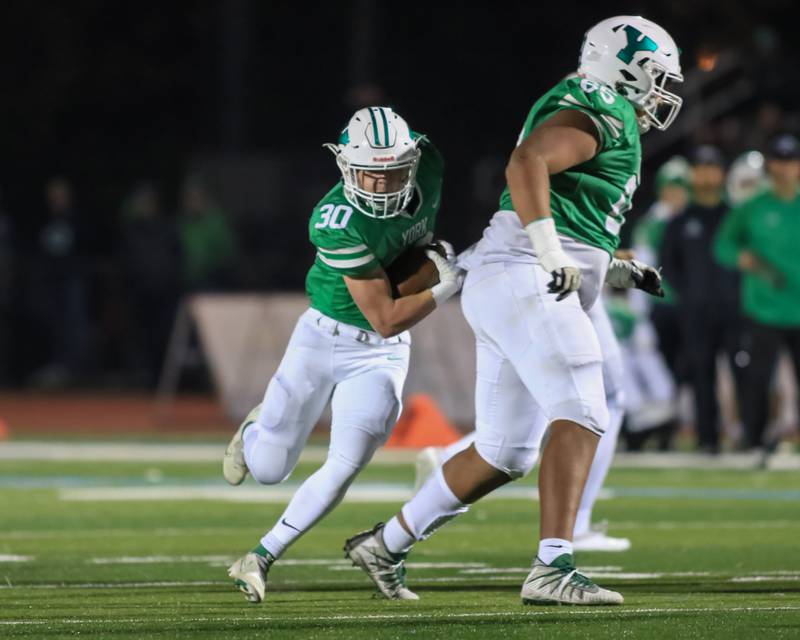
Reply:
x=570 y=101
x=346 y=250
x=347 y=264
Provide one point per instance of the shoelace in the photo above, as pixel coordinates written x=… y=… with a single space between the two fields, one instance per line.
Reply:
x=573 y=575
x=392 y=574
x=579 y=578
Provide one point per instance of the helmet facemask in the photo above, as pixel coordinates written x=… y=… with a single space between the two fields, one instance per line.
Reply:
x=378 y=205
x=659 y=106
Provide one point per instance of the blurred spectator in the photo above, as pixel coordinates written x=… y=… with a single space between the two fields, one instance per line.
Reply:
x=60 y=288
x=707 y=292
x=151 y=263
x=207 y=242
x=7 y=255
x=648 y=386
x=761 y=237
x=672 y=189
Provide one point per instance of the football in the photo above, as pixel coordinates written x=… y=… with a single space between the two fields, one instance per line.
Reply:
x=413 y=271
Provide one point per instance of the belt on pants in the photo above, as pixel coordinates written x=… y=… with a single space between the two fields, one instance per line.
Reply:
x=336 y=328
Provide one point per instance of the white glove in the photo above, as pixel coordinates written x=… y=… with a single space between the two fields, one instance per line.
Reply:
x=450 y=277
x=632 y=274
x=449 y=252
x=566 y=274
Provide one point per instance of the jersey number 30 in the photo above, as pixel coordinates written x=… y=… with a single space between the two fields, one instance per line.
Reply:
x=334 y=216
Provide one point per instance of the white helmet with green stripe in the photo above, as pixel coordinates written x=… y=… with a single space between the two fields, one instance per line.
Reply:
x=637 y=58
x=377 y=141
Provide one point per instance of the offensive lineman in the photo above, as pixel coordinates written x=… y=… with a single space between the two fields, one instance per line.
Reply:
x=353 y=342
x=586 y=537
x=570 y=180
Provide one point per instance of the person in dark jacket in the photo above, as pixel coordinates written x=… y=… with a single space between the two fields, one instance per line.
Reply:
x=708 y=293
x=761 y=237
x=61 y=282
x=150 y=258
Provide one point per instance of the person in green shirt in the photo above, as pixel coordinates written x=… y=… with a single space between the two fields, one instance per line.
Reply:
x=208 y=244
x=760 y=237
x=351 y=347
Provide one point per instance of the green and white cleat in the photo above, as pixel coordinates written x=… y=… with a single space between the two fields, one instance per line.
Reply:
x=234 y=468
x=561 y=583
x=250 y=574
x=385 y=569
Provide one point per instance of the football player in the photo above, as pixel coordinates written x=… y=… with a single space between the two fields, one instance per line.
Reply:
x=352 y=343
x=540 y=265
x=586 y=536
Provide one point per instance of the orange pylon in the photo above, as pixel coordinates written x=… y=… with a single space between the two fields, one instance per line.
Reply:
x=423 y=424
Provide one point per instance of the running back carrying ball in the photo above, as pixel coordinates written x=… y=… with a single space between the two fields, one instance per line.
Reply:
x=413 y=271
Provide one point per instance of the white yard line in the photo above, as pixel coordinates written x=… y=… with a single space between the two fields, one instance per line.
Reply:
x=772 y=578
x=358 y=493
x=560 y=612
x=159 y=452
x=212 y=452
x=6 y=557
x=465 y=575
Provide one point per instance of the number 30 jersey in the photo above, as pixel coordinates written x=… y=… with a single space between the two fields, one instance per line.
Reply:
x=350 y=243
x=588 y=202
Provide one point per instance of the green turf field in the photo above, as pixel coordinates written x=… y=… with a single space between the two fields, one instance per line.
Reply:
x=716 y=554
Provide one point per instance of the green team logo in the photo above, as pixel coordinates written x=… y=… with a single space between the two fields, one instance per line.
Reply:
x=635 y=44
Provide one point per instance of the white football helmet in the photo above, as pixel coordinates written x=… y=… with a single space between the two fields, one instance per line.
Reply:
x=377 y=139
x=637 y=58
x=745 y=177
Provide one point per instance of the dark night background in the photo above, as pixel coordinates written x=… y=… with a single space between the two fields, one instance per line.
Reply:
x=112 y=94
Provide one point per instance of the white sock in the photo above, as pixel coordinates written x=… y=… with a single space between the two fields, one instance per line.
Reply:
x=320 y=493
x=551 y=548
x=433 y=505
x=601 y=463
x=396 y=539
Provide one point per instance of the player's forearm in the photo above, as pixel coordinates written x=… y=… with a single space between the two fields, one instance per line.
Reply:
x=529 y=183
x=395 y=316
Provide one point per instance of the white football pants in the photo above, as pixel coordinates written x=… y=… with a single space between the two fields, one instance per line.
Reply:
x=538 y=359
x=613 y=380
x=362 y=374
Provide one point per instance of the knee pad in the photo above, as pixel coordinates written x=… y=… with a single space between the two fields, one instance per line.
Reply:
x=433 y=506
x=515 y=462
x=268 y=463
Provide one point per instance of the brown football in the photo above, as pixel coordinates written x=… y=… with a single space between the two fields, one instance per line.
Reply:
x=413 y=271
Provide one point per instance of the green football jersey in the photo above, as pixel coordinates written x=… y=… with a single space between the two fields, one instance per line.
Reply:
x=350 y=243
x=588 y=202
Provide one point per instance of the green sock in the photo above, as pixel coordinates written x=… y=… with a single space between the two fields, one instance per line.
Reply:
x=261 y=551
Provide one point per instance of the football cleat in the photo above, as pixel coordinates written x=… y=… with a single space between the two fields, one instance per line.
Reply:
x=234 y=468
x=427 y=461
x=249 y=573
x=561 y=583
x=385 y=569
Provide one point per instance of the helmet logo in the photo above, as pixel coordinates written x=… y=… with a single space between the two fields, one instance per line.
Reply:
x=383 y=135
x=637 y=41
